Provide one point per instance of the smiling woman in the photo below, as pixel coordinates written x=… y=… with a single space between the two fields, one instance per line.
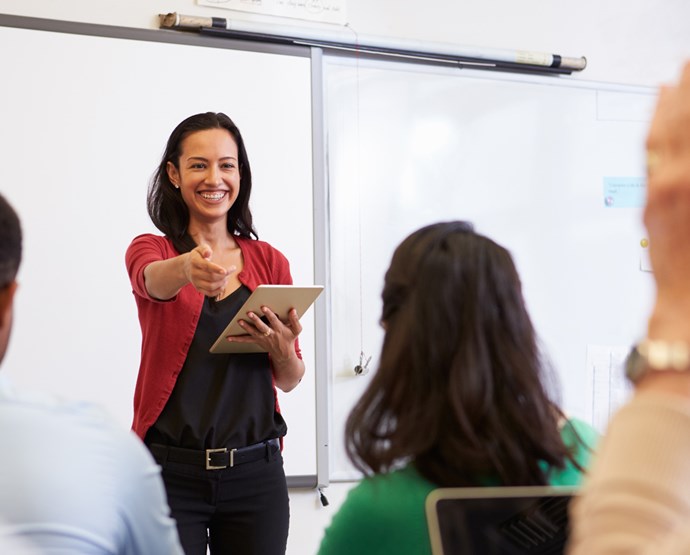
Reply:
x=202 y=414
x=208 y=176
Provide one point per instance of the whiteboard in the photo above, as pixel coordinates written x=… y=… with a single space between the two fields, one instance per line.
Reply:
x=84 y=123
x=526 y=159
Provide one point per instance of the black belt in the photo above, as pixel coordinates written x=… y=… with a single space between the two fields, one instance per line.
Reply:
x=215 y=459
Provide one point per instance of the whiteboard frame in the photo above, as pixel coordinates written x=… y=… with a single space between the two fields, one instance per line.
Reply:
x=341 y=470
x=321 y=216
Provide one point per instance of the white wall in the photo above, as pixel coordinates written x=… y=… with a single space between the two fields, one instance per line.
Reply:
x=635 y=42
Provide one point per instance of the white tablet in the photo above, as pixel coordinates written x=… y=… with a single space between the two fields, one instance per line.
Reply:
x=280 y=299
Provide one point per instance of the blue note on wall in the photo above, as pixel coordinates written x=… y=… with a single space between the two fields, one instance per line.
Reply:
x=624 y=192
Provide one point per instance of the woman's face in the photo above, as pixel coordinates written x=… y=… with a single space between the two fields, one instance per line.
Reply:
x=208 y=175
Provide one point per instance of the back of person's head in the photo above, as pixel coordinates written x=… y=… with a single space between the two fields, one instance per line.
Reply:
x=10 y=243
x=10 y=258
x=458 y=388
x=165 y=205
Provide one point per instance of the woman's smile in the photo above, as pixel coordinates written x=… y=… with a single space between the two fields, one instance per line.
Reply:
x=215 y=196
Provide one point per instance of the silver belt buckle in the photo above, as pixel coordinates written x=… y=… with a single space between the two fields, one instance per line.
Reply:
x=209 y=452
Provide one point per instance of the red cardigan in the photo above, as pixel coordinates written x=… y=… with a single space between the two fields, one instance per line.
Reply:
x=167 y=327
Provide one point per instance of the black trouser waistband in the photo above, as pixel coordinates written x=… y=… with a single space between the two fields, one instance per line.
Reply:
x=215 y=459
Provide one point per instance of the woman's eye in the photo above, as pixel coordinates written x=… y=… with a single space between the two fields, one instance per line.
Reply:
x=228 y=166
x=198 y=166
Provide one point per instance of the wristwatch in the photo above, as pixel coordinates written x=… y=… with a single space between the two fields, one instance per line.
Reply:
x=652 y=355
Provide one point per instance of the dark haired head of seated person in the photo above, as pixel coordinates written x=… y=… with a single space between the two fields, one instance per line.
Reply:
x=458 y=398
x=71 y=480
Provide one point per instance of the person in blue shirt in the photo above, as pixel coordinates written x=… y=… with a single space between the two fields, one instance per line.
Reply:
x=71 y=480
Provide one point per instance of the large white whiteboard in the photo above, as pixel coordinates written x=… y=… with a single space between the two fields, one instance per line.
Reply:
x=524 y=159
x=84 y=123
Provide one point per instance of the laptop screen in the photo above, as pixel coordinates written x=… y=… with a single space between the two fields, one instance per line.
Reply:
x=492 y=521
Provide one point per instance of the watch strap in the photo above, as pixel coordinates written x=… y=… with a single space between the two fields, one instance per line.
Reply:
x=657 y=355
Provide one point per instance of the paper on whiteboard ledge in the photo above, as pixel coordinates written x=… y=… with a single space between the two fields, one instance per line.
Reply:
x=323 y=11
x=607 y=385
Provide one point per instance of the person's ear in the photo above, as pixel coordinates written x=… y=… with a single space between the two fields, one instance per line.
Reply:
x=173 y=174
x=6 y=298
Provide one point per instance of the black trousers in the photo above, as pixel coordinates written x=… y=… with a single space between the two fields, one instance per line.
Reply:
x=243 y=510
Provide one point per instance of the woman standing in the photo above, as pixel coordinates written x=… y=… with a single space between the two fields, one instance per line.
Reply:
x=212 y=421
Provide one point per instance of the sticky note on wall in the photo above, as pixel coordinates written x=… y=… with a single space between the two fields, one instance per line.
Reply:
x=624 y=192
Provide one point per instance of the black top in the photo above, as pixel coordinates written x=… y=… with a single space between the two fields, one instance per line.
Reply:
x=219 y=400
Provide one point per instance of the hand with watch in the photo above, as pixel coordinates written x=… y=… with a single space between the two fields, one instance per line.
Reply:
x=635 y=498
x=666 y=351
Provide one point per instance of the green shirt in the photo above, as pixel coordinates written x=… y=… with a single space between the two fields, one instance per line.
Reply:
x=384 y=514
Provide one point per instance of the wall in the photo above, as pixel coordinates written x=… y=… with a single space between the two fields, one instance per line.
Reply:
x=632 y=42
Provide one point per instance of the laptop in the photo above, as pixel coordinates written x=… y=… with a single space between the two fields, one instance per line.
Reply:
x=497 y=520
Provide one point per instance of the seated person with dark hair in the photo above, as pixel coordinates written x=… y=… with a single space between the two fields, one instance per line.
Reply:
x=458 y=398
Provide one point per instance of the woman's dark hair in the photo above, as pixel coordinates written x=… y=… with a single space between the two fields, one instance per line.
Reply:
x=166 y=208
x=11 y=244
x=458 y=390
